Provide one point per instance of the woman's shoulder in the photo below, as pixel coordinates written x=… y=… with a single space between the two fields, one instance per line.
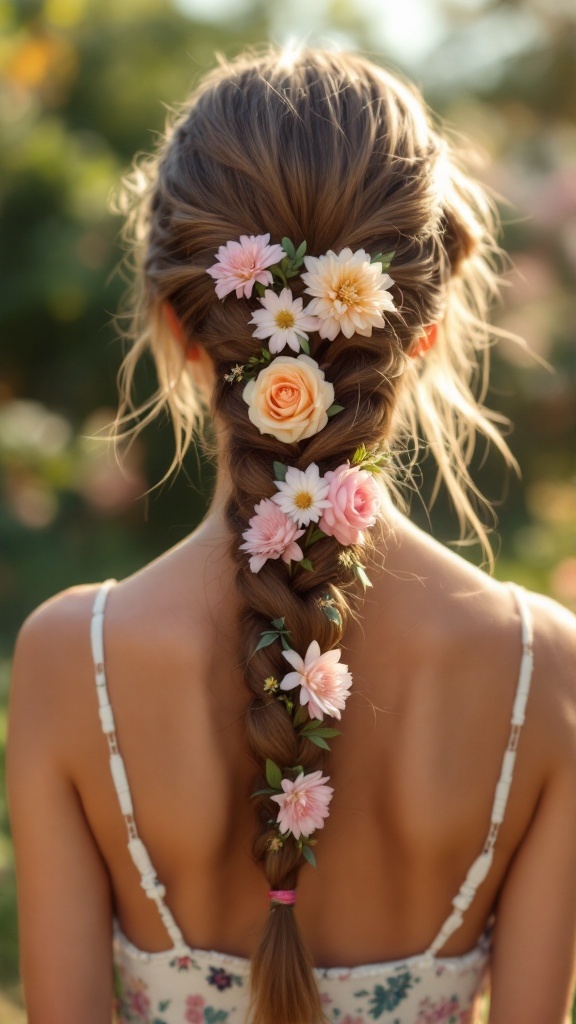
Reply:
x=461 y=615
x=53 y=647
x=56 y=623
x=554 y=671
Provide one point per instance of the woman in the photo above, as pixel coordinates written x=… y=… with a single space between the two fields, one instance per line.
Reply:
x=443 y=820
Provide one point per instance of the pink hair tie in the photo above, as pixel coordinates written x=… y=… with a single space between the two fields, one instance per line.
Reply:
x=285 y=897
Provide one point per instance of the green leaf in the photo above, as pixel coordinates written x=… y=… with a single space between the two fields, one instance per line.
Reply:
x=262 y=792
x=278 y=623
x=361 y=574
x=317 y=534
x=284 y=642
x=305 y=563
x=304 y=344
x=277 y=271
x=266 y=639
x=334 y=409
x=360 y=454
x=280 y=470
x=288 y=247
x=273 y=774
x=300 y=250
x=301 y=715
x=308 y=854
x=385 y=260
x=260 y=289
x=317 y=740
x=371 y=467
x=266 y=355
x=321 y=730
x=332 y=614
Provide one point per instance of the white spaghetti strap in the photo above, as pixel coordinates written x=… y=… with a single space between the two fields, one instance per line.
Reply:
x=148 y=879
x=483 y=862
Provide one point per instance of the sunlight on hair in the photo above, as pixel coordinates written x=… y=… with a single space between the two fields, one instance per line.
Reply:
x=290 y=53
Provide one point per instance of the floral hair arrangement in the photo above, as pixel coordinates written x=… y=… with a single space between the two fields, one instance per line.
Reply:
x=289 y=398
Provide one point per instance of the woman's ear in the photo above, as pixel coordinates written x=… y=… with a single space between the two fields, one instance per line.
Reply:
x=176 y=329
x=425 y=342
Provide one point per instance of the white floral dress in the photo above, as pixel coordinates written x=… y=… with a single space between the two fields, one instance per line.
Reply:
x=182 y=984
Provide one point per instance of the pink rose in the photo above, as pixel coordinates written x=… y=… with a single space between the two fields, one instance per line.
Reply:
x=289 y=398
x=271 y=534
x=355 y=501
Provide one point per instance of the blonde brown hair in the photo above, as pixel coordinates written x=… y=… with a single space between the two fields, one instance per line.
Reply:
x=331 y=149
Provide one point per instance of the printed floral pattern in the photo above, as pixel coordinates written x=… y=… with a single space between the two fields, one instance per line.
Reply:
x=221 y=979
x=210 y=988
x=389 y=996
x=447 y=1010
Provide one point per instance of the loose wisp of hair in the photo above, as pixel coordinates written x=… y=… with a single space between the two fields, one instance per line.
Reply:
x=331 y=149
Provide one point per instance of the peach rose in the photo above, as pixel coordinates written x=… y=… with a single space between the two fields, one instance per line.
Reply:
x=289 y=398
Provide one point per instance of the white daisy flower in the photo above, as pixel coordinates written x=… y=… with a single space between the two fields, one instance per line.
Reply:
x=283 y=320
x=350 y=293
x=302 y=495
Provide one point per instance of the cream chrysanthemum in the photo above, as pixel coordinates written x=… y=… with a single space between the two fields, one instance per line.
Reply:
x=350 y=293
x=283 y=320
x=302 y=495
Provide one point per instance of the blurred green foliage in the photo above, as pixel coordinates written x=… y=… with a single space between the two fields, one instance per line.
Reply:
x=83 y=86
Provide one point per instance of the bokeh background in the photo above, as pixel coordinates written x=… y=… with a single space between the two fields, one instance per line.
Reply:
x=84 y=84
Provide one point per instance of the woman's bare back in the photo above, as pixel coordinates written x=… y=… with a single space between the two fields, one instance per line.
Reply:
x=435 y=660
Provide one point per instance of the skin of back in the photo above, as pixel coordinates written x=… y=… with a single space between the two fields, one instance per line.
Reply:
x=435 y=661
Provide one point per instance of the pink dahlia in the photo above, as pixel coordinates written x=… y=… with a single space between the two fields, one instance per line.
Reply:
x=354 y=504
x=271 y=534
x=241 y=264
x=303 y=804
x=324 y=683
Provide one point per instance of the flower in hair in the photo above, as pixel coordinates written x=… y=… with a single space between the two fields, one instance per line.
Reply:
x=283 y=320
x=271 y=534
x=303 y=804
x=353 y=502
x=350 y=292
x=289 y=399
x=324 y=683
x=302 y=494
x=235 y=374
x=241 y=264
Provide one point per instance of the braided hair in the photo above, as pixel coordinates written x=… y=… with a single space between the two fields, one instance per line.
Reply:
x=330 y=150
